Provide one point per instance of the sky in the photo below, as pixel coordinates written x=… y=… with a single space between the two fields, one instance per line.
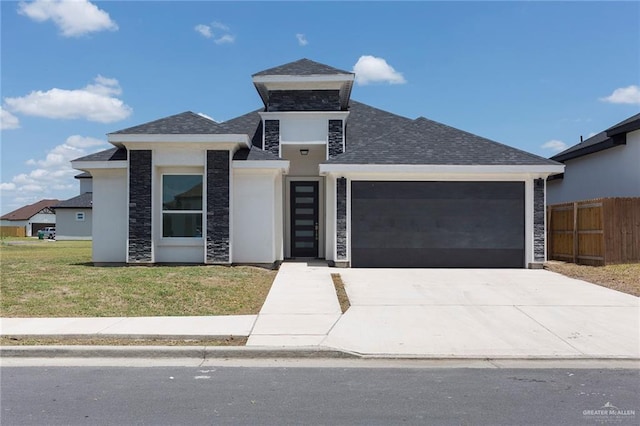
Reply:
x=533 y=75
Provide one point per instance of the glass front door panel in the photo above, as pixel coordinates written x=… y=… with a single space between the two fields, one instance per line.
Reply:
x=304 y=219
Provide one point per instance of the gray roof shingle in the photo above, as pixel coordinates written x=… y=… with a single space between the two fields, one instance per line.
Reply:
x=302 y=67
x=248 y=124
x=83 y=201
x=185 y=123
x=378 y=137
x=254 y=154
x=113 y=154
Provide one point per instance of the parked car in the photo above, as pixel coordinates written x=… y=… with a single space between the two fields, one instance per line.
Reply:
x=49 y=232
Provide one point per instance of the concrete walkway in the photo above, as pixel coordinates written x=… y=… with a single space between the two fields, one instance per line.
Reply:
x=300 y=309
x=134 y=327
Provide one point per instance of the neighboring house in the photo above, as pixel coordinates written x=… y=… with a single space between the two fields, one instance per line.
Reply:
x=605 y=165
x=315 y=174
x=74 y=216
x=33 y=217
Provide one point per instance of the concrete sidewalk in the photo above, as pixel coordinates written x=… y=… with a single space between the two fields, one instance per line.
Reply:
x=134 y=327
x=300 y=309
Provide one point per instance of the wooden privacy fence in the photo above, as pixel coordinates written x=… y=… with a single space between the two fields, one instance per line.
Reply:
x=13 y=231
x=594 y=232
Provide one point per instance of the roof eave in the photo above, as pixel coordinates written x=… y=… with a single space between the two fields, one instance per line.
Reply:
x=539 y=170
x=619 y=139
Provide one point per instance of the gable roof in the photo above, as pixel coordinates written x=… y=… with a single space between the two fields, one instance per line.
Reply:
x=613 y=136
x=82 y=201
x=27 y=212
x=302 y=67
x=185 y=123
x=249 y=124
x=375 y=136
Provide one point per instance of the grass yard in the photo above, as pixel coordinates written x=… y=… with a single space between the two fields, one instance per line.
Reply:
x=624 y=277
x=42 y=278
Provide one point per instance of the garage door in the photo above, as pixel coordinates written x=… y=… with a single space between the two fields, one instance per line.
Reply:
x=437 y=224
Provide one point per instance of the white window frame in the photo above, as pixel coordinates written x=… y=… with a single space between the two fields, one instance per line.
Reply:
x=163 y=211
x=80 y=216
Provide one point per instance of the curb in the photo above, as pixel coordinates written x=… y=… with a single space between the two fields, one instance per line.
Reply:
x=200 y=352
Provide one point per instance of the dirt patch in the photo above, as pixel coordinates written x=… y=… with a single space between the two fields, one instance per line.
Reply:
x=624 y=277
x=341 y=292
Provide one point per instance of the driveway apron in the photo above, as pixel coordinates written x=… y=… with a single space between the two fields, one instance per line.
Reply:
x=480 y=313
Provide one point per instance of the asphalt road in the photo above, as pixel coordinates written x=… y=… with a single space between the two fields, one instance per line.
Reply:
x=278 y=396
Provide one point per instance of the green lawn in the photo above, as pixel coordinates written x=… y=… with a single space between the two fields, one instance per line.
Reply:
x=42 y=278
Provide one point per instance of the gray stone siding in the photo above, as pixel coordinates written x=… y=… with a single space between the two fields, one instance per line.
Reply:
x=335 y=138
x=304 y=100
x=272 y=136
x=218 y=206
x=140 y=187
x=538 y=220
x=341 y=219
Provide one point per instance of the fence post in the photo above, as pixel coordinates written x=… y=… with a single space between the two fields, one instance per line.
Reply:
x=575 y=232
x=549 y=233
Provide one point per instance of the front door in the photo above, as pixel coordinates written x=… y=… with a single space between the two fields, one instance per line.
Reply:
x=304 y=219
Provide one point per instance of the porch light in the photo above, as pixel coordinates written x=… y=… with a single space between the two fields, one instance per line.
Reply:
x=304 y=151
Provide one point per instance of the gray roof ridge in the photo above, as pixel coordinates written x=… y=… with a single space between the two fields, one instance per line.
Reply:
x=197 y=116
x=289 y=67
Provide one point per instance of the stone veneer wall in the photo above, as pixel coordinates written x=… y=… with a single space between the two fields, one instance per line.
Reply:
x=272 y=136
x=341 y=219
x=538 y=220
x=335 y=138
x=304 y=100
x=140 y=187
x=218 y=180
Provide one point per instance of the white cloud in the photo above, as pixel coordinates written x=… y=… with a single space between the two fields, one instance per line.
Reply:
x=220 y=26
x=204 y=30
x=222 y=35
x=370 y=69
x=7 y=120
x=554 y=145
x=95 y=102
x=624 y=95
x=302 y=40
x=51 y=176
x=7 y=186
x=227 y=38
x=74 y=18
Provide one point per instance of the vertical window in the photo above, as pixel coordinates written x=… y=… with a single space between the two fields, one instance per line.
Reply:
x=80 y=216
x=182 y=206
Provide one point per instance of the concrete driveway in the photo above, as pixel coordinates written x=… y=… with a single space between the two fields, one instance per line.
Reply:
x=484 y=313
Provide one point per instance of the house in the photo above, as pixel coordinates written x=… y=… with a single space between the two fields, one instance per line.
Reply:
x=604 y=165
x=315 y=174
x=74 y=216
x=32 y=218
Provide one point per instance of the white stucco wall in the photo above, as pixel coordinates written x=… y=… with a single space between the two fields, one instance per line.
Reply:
x=257 y=221
x=110 y=213
x=304 y=165
x=86 y=185
x=614 y=172
x=68 y=228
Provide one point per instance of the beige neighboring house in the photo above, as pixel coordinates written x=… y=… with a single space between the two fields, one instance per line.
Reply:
x=74 y=216
x=33 y=217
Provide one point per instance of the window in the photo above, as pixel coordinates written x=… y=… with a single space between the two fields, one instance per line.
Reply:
x=80 y=216
x=182 y=206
